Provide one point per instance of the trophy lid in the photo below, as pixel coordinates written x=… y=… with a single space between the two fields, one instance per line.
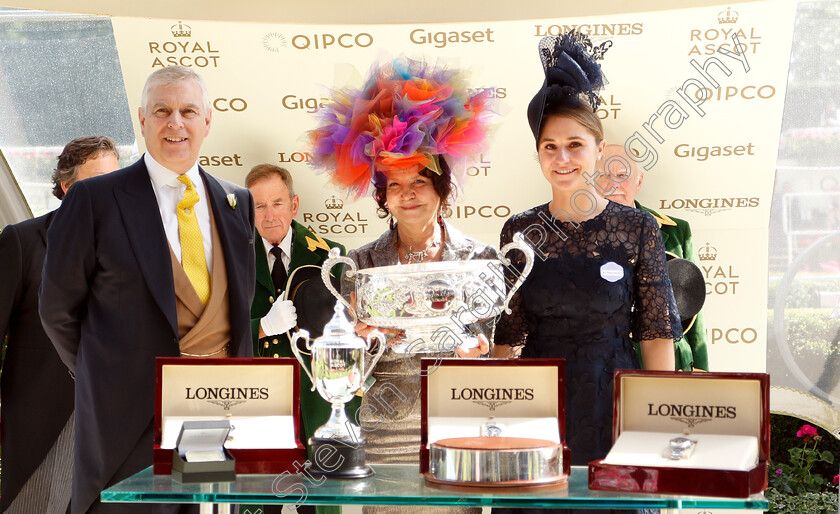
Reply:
x=339 y=331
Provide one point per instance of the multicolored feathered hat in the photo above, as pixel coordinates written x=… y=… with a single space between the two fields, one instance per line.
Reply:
x=407 y=113
x=572 y=74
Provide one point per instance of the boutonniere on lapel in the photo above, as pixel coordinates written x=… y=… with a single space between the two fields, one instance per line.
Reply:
x=231 y=198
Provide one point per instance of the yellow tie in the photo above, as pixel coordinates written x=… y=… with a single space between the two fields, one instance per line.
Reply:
x=192 y=244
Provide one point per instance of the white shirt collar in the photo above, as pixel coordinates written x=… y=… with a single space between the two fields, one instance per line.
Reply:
x=285 y=244
x=162 y=176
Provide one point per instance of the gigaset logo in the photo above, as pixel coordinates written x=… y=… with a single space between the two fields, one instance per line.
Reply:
x=441 y=39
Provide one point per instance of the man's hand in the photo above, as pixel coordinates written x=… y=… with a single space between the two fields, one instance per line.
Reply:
x=280 y=318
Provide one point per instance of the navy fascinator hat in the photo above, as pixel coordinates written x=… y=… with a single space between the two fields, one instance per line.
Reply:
x=572 y=75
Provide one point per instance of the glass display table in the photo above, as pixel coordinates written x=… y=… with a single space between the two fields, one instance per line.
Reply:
x=397 y=484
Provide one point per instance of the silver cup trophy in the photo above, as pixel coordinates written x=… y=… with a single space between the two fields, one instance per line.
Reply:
x=338 y=371
x=431 y=302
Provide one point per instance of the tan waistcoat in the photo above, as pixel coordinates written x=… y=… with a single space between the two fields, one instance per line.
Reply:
x=203 y=330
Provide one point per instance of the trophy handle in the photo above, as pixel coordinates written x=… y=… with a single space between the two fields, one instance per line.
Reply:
x=302 y=334
x=334 y=258
x=381 y=337
x=518 y=243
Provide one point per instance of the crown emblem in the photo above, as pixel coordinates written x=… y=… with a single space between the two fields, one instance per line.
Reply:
x=334 y=203
x=707 y=253
x=728 y=16
x=181 y=29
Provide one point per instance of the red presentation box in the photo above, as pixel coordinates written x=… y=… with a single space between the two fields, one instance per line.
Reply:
x=727 y=414
x=258 y=396
x=527 y=395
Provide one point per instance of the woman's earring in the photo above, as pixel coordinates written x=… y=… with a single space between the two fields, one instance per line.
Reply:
x=440 y=217
x=391 y=223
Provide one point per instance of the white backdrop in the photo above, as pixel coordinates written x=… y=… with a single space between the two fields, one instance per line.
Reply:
x=714 y=159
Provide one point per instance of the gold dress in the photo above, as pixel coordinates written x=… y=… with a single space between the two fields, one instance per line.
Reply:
x=390 y=411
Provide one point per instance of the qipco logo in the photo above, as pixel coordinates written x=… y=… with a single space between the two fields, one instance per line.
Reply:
x=326 y=41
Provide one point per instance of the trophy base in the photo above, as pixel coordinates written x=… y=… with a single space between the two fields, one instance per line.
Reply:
x=338 y=460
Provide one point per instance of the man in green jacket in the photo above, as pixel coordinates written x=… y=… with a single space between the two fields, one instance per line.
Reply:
x=621 y=185
x=282 y=246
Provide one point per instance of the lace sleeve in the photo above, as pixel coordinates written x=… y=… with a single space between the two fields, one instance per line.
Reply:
x=511 y=328
x=655 y=312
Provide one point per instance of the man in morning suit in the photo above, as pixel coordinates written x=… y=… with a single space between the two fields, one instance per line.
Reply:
x=155 y=259
x=276 y=204
x=36 y=407
x=623 y=184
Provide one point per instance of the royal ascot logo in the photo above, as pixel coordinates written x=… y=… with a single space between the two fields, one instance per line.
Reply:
x=480 y=168
x=443 y=38
x=180 y=29
x=335 y=221
x=707 y=253
x=728 y=16
x=181 y=51
x=608 y=108
x=709 y=206
x=707 y=41
x=493 y=397
x=230 y=104
x=480 y=211
x=274 y=41
x=226 y=397
x=692 y=415
x=596 y=29
x=703 y=153
x=333 y=203
x=295 y=103
x=721 y=279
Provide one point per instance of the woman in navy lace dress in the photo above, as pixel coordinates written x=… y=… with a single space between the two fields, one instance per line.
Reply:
x=600 y=274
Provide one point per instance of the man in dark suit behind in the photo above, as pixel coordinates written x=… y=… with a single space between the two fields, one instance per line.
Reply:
x=37 y=392
x=155 y=259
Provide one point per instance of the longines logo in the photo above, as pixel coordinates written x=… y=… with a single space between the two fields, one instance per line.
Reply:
x=226 y=397
x=707 y=41
x=720 y=279
x=598 y=29
x=495 y=92
x=702 y=153
x=708 y=206
x=334 y=221
x=441 y=39
x=692 y=415
x=294 y=156
x=609 y=108
x=482 y=211
x=182 y=51
x=493 y=397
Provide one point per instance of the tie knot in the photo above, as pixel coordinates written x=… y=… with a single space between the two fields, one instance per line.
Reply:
x=277 y=252
x=185 y=180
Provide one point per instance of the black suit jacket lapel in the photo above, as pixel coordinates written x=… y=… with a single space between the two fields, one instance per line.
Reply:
x=141 y=215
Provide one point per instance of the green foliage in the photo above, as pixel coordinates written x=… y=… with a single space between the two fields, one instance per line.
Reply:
x=803 y=292
x=811 y=503
x=808 y=331
x=801 y=468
